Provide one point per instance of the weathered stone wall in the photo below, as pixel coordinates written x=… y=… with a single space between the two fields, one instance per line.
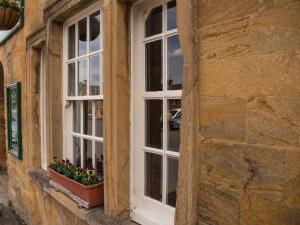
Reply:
x=249 y=107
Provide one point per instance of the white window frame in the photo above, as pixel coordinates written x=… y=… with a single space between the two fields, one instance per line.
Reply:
x=43 y=110
x=67 y=109
x=143 y=208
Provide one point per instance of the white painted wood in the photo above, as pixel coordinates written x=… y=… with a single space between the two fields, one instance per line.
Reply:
x=145 y=210
x=68 y=111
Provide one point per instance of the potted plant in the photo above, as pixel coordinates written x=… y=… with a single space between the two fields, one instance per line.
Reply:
x=10 y=13
x=84 y=183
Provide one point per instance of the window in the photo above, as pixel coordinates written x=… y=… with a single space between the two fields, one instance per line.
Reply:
x=43 y=111
x=83 y=90
x=157 y=81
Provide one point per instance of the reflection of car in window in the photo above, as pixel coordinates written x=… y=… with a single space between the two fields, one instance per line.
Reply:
x=175 y=120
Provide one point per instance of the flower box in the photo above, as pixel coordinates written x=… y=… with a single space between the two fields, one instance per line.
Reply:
x=8 y=18
x=93 y=194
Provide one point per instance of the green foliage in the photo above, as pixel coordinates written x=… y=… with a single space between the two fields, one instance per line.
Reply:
x=13 y=4
x=83 y=176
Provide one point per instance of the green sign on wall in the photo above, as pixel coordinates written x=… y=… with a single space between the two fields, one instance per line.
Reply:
x=5 y=35
x=14 y=129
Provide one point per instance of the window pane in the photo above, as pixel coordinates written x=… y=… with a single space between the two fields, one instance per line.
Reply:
x=153 y=176
x=94 y=75
x=87 y=153
x=153 y=23
x=76 y=116
x=71 y=79
x=88 y=117
x=99 y=158
x=82 y=37
x=154 y=125
x=82 y=78
x=76 y=152
x=175 y=64
x=95 y=31
x=71 y=53
x=172 y=181
x=154 y=79
x=174 y=119
x=171 y=15
x=99 y=118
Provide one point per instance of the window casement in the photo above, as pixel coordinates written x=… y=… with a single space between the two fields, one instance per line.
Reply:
x=83 y=89
x=156 y=108
x=43 y=110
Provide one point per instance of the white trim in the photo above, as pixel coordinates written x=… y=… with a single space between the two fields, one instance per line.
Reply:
x=145 y=210
x=43 y=111
x=67 y=100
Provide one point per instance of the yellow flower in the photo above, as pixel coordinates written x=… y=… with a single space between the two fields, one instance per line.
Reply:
x=90 y=172
x=78 y=173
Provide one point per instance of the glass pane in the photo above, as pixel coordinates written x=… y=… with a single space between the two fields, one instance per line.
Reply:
x=175 y=64
x=154 y=81
x=172 y=181
x=153 y=176
x=153 y=24
x=171 y=15
x=94 y=75
x=88 y=117
x=154 y=125
x=99 y=118
x=71 y=79
x=14 y=119
x=174 y=119
x=95 y=31
x=82 y=78
x=71 y=53
x=87 y=153
x=76 y=116
x=82 y=37
x=76 y=152
x=99 y=158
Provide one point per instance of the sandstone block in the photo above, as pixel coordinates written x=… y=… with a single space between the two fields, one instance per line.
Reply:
x=222 y=117
x=274 y=121
x=218 y=206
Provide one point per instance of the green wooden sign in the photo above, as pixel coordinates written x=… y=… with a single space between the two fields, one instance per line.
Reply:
x=14 y=129
x=7 y=34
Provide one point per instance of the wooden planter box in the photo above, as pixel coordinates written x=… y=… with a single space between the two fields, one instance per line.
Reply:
x=93 y=194
x=8 y=18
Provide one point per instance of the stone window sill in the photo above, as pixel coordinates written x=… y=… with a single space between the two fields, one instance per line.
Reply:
x=93 y=216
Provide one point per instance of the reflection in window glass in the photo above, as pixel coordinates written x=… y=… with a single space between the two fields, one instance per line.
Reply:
x=99 y=158
x=172 y=181
x=153 y=23
x=76 y=116
x=99 y=118
x=71 y=53
x=153 y=176
x=174 y=120
x=82 y=78
x=94 y=75
x=171 y=23
x=87 y=153
x=88 y=117
x=71 y=79
x=76 y=152
x=175 y=64
x=95 y=32
x=82 y=37
x=154 y=123
x=154 y=79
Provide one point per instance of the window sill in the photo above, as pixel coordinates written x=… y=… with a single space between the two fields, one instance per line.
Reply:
x=93 y=216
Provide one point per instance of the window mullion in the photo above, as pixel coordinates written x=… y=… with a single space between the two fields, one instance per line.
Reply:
x=81 y=132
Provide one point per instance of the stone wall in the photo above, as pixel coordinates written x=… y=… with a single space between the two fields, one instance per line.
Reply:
x=249 y=112
x=240 y=153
